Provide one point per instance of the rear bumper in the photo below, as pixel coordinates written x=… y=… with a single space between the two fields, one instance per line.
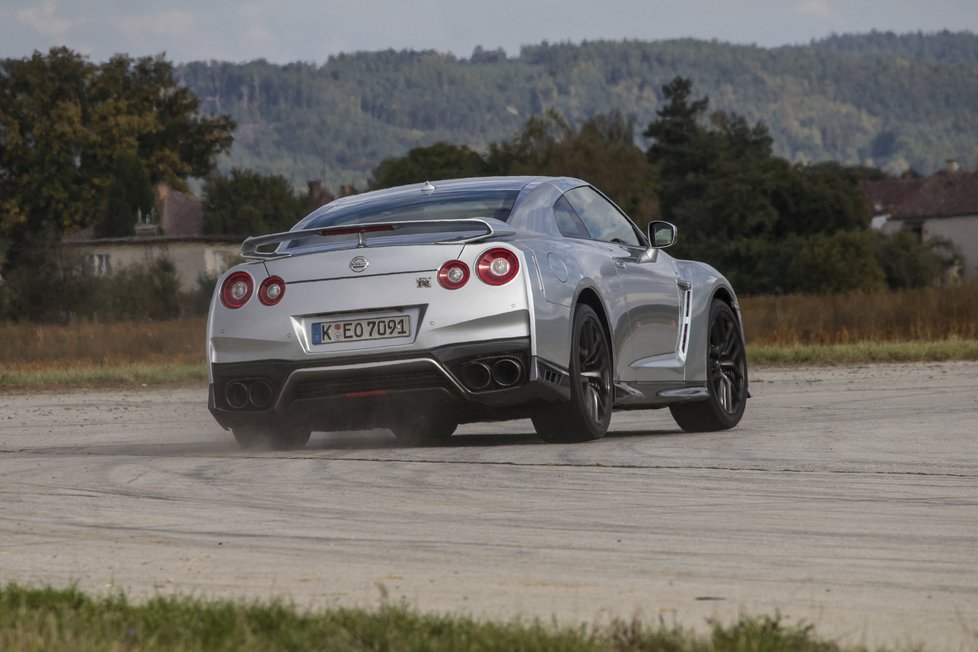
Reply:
x=476 y=381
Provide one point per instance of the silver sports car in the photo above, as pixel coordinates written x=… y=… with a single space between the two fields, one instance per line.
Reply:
x=421 y=307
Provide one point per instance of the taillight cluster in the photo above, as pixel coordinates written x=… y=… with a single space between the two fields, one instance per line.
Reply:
x=238 y=288
x=271 y=290
x=453 y=274
x=498 y=266
x=494 y=267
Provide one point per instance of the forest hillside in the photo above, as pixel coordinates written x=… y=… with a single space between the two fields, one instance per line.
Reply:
x=892 y=101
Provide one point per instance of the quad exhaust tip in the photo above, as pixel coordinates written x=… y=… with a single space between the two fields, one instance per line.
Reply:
x=236 y=394
x=498 y=373
x=478 y=376
x=256 y=394
x=260 y=395
x=507 y=372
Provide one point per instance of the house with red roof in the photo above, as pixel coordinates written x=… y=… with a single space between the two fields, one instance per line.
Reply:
x=943 y=206
x=174 y=231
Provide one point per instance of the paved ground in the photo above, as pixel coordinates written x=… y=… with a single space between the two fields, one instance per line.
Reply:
x=847 y=498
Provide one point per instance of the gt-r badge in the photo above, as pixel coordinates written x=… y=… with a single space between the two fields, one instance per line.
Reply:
x=359 y=264
x=424 y=281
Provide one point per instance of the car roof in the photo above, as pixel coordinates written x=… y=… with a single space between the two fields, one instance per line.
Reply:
x=473 y=183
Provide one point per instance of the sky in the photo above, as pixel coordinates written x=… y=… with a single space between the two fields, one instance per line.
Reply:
x=281 y=31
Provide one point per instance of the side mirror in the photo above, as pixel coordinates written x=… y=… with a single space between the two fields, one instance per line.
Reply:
x=661 y=234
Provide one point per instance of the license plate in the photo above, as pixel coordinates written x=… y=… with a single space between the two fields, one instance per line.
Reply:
x=357 y=330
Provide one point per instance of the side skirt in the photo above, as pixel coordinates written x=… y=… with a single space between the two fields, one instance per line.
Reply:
x=638 y=395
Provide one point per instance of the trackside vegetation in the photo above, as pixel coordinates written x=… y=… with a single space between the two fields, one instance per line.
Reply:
x=68 y=619
x=914 y=325
x=772 y=226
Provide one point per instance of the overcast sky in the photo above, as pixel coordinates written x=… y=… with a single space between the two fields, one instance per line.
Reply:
x=310 y=30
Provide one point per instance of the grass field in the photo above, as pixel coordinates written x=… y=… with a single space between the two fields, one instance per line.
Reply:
x=921 y=315
x=914 y=325
x=49 y=619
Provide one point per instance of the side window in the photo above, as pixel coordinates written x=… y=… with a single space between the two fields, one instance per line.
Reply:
x=603 y=221
x=568 y=222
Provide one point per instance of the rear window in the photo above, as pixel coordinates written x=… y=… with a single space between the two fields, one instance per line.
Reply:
x=444 y=205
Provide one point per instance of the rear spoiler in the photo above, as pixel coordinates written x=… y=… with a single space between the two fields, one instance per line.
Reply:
x=490 y=227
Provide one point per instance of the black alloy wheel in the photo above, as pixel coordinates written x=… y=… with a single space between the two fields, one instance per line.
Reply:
x=726 y=373
x=588 y=414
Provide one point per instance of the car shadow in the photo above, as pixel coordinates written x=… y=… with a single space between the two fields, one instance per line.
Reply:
x=371 y=440
x=671 y=432
x=377 y=440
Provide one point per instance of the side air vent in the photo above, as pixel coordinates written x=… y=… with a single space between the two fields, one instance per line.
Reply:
x=687 y=309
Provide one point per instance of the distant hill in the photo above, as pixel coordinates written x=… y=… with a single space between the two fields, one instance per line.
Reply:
x=894 y=101
x=945 y=47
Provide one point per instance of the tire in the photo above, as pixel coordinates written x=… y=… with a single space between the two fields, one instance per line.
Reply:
x=424 y=429
x=726 y=377
x=587 y=415
x=280 y=438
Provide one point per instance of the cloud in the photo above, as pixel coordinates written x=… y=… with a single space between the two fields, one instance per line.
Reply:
x=45 y=21
x=817 y=8
x=259 y=36
x=165 y=23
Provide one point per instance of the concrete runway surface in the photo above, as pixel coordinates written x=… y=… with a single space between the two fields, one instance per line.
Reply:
x=847 y=498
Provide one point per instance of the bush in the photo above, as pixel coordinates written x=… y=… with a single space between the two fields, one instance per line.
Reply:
x=58 y=286
x=907 y=262
x=49 y=284
x=198 y=301
x=149 y=291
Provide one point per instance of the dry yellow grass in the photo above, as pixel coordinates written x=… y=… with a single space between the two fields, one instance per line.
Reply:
x=26 y=347
x=926 y=314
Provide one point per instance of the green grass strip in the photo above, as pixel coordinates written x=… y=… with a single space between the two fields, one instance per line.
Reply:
x=864 y=352
x=104 y=376
x=50 y=619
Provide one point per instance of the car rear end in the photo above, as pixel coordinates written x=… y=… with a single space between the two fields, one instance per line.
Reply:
x=354 y=337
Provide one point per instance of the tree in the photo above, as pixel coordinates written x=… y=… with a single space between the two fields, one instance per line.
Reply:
x=602 y=151
x=677 y=133
x=248 y=203
x=769 y=225
x=128 y=197
x=531 y=149
x=67 y=129
x=438 y=161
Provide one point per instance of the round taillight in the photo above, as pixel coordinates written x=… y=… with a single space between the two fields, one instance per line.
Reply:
x=453 y=275
x=237 y=290
x=271 y=290
x=498 y=266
